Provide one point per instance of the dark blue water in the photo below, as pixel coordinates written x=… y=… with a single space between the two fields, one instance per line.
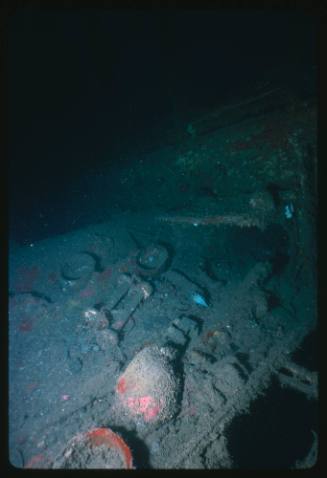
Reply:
x=277 y=431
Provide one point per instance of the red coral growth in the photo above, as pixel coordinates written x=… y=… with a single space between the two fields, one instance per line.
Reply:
x=145 y=405
x=39 y=460
x=105 y=436
x=121 y=385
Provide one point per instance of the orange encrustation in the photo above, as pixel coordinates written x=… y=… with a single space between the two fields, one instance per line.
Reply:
x=105 y=436
x=121 y=386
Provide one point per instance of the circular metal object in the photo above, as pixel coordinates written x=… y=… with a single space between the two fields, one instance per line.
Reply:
x=99 y=448
x=152 y=260
x=78 y=266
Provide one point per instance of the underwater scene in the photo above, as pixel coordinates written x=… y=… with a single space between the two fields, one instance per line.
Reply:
x=162 y=267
